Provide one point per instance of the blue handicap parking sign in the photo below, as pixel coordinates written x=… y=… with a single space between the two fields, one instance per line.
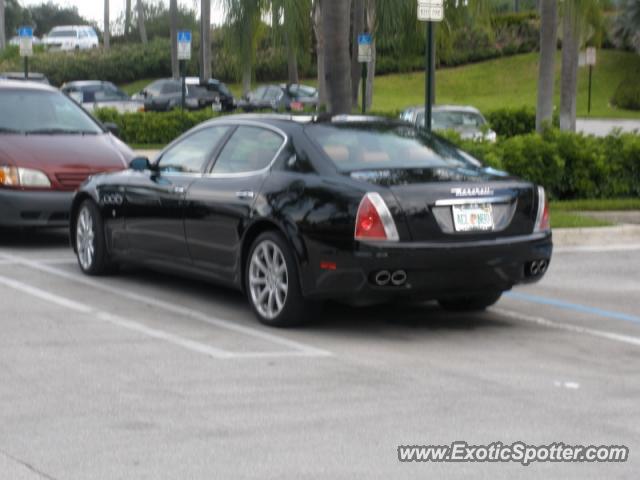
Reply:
x=364 y=39
x=25 y=32
x=184 y=36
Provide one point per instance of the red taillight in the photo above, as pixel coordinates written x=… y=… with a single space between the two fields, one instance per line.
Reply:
x=543 y=219
x=374 y=221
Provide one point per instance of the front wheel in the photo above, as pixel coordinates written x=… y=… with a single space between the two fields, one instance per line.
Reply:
x=272 y=282
x=91 y=248
x=470 y=303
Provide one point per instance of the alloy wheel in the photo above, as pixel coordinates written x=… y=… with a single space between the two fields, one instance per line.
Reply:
x=268 y=279
x=85 y=239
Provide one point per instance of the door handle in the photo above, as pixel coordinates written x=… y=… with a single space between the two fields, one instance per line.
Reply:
x=178 y=189
x=245 y=194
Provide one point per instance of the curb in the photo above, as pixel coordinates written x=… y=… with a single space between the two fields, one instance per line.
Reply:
x=597 y=236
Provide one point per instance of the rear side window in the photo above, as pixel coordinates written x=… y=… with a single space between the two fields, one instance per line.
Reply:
x=171 y=87
x=250 y=149
x=192 y=153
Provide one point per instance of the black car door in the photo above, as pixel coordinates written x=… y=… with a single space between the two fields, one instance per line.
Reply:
x=219 y=203
x=155 y=199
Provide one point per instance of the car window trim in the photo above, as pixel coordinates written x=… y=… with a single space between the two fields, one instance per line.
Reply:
x=243 y=123
x=211 y=154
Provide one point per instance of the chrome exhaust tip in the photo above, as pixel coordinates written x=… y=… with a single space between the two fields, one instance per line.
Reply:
x=542 y=266
x=382 y=278
x=534 y=268
x=399 y=277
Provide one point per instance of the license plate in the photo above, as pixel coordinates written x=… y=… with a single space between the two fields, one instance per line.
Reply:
x=472 y=218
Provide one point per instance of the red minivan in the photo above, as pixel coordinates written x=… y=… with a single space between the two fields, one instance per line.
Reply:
x=48 y=147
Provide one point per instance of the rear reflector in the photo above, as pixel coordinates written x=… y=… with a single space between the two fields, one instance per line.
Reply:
x=543 y=218
x=328 y=266
x=374 y=220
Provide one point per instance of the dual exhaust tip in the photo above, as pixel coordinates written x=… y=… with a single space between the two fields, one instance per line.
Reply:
x=385 y=277
x=537 y=267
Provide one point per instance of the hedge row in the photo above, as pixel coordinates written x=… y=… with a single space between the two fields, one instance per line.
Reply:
x=153 y=128
x=568 y=165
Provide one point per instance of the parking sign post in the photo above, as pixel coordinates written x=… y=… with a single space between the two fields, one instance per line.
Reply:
x=365 y=56
x=430 y=11
x=591 y=61
x=184 y=54
x=26 y=47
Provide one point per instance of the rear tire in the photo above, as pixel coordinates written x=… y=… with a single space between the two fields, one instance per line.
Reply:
x=91 y=246
x=470 y=303
x=272 y=282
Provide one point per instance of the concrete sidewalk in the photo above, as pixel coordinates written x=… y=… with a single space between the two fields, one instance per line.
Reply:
x=601 y=127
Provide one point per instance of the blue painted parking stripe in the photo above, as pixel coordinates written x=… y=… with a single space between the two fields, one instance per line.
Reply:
x=573 y=306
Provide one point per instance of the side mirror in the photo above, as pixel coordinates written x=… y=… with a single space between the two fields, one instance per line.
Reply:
x=140 y=164
x=112 y=128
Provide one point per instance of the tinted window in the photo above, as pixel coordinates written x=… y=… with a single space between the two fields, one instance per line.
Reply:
x=384 y=146
x=273 y=93
x=192 y=153
x=154 y=88
x=171 y=87
x=445 y=120
x=63 y=34
x=249 y=149
x=29 y=111
x=258 y=93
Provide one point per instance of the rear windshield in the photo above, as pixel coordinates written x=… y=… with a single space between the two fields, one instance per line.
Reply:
x=385 y=146
x=27 y=111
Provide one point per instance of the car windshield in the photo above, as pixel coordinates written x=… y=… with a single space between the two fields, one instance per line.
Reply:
x=63 y=34
x=103 y=93
x=30 y=111
x=375 y=146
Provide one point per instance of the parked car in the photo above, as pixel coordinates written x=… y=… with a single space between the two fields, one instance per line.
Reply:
x=166 y=94
x=71 y=37
x=226 y=101
x=92 y=94
x=48 y=147
x=295 y=209
x=279 y=98
x=33 y=77
x=467 y=121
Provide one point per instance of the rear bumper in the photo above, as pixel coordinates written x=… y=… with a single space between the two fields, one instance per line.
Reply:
x=34 y=209
x=433 y=270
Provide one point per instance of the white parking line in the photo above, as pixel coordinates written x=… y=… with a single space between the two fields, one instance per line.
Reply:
x=191 y=345
x=616 y=337
x=299 y=349
x=48 y=261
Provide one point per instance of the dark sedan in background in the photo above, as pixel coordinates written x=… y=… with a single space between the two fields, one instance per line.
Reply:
x=166 y=94
x=294 y=210
x=292 y=97
x=92 y=94
x=48 y=147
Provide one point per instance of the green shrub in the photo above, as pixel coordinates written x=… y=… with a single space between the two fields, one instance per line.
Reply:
x=151 y=127
x=627 y=95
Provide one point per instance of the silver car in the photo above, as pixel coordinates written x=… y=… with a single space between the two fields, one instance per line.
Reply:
x=467 y=121
x=93 y=94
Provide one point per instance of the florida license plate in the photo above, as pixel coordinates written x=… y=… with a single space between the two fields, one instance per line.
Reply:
x=472 y=218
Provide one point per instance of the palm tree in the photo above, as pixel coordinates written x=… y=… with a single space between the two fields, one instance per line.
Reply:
x=141 y=27
x=336 y=29
x=547 y=70
x=205 y=40
x=578 y=16
x=173 y=27
x=127 y=17
x=357 y=27
x=291 y=22
x=106 y=36
x=244 y=17
x=2 y=21
x=320 y=49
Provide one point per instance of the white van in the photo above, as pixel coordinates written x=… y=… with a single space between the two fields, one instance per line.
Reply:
x=71 y=37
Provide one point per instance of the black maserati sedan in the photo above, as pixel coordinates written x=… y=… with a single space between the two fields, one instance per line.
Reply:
x=296 y=210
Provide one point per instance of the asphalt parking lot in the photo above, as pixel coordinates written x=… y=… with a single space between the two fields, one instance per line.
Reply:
x=142 y=375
